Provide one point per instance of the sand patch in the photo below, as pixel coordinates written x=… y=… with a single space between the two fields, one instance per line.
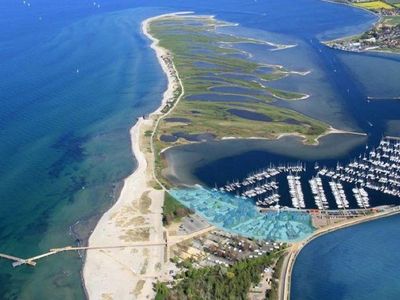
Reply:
x=136 y=235
x=145 y=203
x=138 y=287
x=106 y=297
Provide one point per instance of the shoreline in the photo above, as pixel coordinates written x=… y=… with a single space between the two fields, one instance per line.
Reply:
x=160 y=52
x=331 y=130
x=380 y=19
x=112 y=273
x=295 y=249
x=353 y=35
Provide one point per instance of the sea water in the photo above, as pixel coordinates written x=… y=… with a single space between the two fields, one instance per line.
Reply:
x=359 y=262
x=68 y=98
x=74 y=76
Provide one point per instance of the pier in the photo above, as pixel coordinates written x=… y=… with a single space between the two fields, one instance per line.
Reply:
x=169 y=241
x=17 y=261
x=338 y=193
x=361 y=196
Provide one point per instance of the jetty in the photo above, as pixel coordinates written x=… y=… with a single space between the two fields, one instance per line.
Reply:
x=17 y=261
x=169 y=241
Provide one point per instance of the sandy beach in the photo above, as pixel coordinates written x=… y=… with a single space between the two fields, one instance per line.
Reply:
x=331 y=130
x=129 y=272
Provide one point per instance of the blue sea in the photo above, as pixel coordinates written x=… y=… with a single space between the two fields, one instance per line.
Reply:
x=359 y=262
x=75 y=75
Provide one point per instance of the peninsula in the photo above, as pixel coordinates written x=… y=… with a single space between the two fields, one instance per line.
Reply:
x=215 y=90
x=193 y=155
x=187 y=59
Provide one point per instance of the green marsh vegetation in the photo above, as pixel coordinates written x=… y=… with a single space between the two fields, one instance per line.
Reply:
x=217 y=77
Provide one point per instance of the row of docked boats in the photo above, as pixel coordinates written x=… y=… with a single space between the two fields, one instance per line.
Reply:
x=271 y=200
x=379 y=169
x=296 y=193
x=339 y=194
x=262 y=185
x=318 y=192
x=265 y=174
x=361 y=196
x=268 y=186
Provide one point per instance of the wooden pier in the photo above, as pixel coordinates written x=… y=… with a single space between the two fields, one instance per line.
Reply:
x=17 y=261
x=168 y=241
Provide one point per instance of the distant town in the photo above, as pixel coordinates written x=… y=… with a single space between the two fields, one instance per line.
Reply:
x=384 y=36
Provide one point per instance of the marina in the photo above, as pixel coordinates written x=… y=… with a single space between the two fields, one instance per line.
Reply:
x=378 y=169
x=263 y=187
x=343 y=187
x=77 y=152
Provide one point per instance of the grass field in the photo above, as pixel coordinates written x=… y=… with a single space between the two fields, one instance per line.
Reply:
x=374 y=5
x=392 y=20
x=173 y=211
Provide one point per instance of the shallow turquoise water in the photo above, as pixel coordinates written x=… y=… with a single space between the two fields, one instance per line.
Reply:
x=64 y=135
x=240 y=215
x=359 y=262
x=65 y=143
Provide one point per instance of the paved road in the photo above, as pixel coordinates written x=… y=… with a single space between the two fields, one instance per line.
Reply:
x=180 y=238
x=282 y=279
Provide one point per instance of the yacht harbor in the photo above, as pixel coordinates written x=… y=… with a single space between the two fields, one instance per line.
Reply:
x=378 y=169
x=372 y=179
